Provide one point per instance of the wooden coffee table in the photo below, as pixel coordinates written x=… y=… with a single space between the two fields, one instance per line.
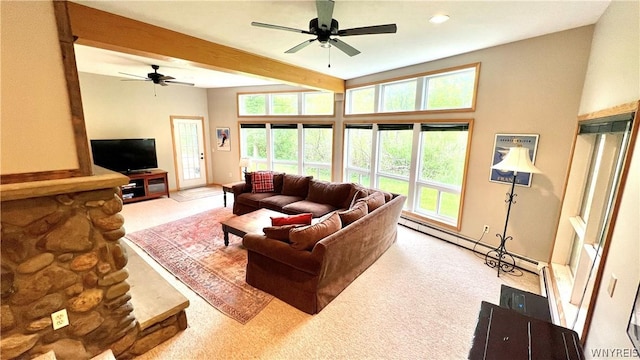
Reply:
x=252 y=222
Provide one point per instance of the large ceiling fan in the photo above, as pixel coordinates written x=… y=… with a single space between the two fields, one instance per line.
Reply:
x=157 y=78
x=325 y=26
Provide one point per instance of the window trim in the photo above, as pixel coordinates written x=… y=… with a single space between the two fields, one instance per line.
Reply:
x=419 y=95
x=284 y=116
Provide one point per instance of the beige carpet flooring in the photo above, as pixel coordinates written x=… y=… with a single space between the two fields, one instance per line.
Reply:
x=420 y=300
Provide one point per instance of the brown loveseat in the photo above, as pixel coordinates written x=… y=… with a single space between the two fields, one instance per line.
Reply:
x=309 y=275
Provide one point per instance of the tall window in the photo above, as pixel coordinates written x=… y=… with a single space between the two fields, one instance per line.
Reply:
x=449 y=89
x=254 y=145
x=395 y=143
x=443 y=150
x=317 y=150
x=284 y=142
x=424 y=161
x=358 y=140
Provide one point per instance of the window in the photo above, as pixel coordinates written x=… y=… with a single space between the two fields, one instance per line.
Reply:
x=286 y=104
x=446 y=90
x=290 y=148
x=284 y=142
x=424 y=161
x=317 y=150
x=441 y=163
x=361 y=100
x=317 y=103
x=399 y=96
x=395 y=143
x=358 y=140
x=254 y=145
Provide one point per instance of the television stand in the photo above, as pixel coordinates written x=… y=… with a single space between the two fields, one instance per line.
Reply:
x=145 y=185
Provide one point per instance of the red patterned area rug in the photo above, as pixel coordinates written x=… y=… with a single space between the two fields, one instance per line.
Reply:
x=192 y=249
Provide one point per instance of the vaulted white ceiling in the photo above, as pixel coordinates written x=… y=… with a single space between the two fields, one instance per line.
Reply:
x=473 y=25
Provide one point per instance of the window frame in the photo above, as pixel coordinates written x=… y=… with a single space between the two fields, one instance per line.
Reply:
x=421 y=93
x=269 y=102
x=269 y=126
x=415 y=183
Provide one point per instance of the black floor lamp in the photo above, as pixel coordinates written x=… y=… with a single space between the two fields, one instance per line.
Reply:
x=516 y=160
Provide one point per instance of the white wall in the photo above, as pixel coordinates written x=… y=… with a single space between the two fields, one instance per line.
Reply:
x=129 y=109
x=613 y=78
x=36 y=117
x=530 y=86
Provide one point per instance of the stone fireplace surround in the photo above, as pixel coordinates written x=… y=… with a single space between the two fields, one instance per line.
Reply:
x=61 y=249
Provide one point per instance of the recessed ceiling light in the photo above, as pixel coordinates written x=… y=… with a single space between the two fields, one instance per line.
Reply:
x=438 y=19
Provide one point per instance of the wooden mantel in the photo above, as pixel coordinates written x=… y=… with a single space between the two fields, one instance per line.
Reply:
x=104 y=30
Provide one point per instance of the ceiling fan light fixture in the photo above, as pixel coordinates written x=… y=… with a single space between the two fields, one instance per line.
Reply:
x=439 y=18
x=325 y=45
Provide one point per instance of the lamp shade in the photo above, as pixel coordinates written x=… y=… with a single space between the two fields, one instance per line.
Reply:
x=517 y=160
x=244 y=162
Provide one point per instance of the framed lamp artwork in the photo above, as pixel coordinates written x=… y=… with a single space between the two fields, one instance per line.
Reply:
x=223 y=137
x=501 y=147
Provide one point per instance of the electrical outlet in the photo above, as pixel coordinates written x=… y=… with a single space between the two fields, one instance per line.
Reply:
x=485 y=229
x=60 y=319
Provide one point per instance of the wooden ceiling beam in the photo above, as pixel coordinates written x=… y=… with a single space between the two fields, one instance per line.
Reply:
x=104 y=30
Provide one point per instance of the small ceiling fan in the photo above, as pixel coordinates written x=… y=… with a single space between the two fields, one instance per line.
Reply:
x=157 y=78
x=324 y=27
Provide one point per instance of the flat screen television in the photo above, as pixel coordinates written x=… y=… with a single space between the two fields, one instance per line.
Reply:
x=125 y=155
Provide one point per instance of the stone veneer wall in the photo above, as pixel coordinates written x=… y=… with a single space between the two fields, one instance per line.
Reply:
x=64 y=252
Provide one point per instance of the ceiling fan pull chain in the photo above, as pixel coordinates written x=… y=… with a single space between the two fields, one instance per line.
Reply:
x=329 y=66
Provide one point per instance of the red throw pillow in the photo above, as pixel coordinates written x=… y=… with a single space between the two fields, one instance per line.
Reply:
x=304 y=219
x=262 y=181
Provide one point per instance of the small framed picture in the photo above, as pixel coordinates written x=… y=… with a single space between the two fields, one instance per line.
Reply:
x=500 y=149
x=633 y=329
x=224 y=139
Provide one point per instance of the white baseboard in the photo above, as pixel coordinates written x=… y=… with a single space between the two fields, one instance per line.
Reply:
x=522 y=262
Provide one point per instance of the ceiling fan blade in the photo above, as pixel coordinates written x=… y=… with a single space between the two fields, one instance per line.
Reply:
x=278 y=27
x=138 y=76
x=367 y=30
x=344 y=47
x=300 y=46
x=166 y=77
x=178 y=83
x=325 y=13
x=162 y=83
x=135 y=79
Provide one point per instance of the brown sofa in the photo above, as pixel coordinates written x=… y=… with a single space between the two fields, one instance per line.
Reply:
x=312 y=277
x=296 y=194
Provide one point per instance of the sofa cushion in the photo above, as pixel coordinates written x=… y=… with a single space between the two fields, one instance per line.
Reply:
x=358 y=211
x=302 y=219
x=247 y=182
x=374 y=200
x=277 y=182
x=336 y=194
x=301 y=206
x=262 y=181
x=252 y=199
x=295 y=185
x=278 y=202
x=305 y=238
x=279 y=232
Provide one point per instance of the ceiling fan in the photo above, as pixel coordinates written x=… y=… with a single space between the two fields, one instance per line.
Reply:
x=157 y=78
x=325 y=26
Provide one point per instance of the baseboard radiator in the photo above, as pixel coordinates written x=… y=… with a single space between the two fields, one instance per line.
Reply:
x=546 y=289
x=522 y=262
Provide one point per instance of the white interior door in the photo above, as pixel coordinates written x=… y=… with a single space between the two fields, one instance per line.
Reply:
x=188 y=144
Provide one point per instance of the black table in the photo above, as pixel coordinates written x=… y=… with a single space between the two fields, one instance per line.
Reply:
x=506 y=334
